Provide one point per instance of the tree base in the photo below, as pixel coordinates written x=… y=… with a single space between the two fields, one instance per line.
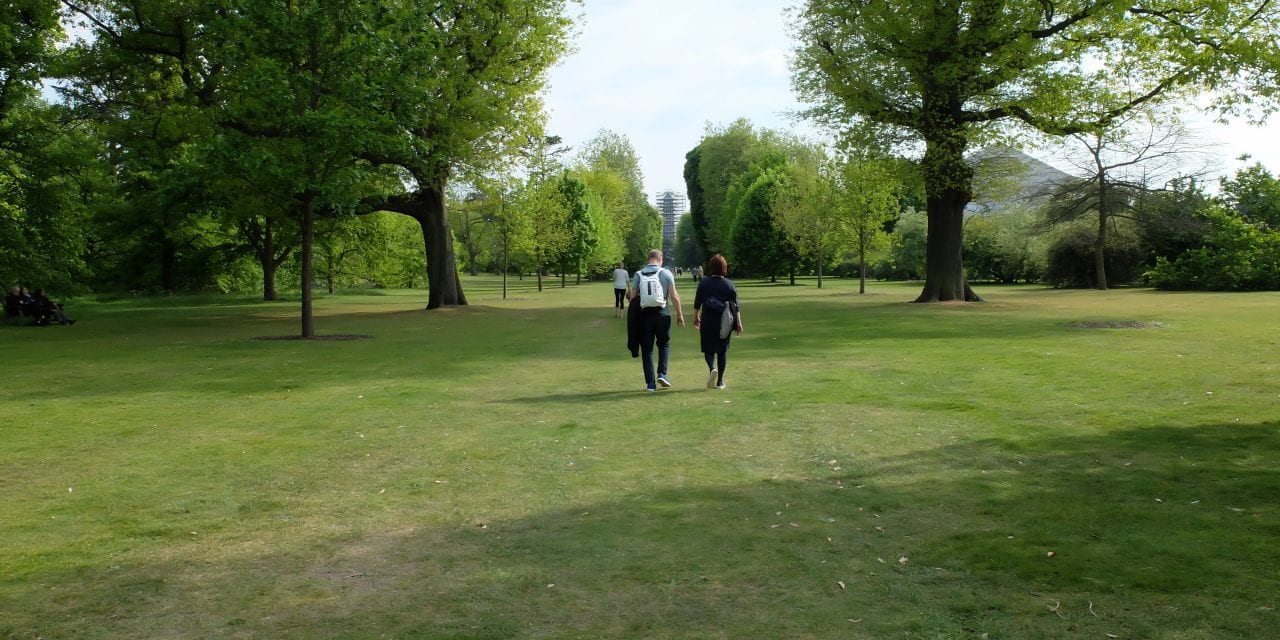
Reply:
x=936 y=294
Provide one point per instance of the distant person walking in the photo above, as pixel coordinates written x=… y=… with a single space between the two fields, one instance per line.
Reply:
x=716 y=296
x=655 y=288
x=620 y=280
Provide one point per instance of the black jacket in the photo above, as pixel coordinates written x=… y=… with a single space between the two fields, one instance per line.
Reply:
x=634 y=326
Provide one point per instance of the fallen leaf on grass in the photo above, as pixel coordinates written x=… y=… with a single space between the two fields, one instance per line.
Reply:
x=902 y=560
x=841 y=583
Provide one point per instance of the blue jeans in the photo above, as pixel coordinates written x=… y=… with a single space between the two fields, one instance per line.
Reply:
x=656 y=326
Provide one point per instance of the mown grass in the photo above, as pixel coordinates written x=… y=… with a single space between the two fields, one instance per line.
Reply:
x=876 y=469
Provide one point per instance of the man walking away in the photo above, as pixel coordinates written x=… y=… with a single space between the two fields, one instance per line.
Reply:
x=655 y=287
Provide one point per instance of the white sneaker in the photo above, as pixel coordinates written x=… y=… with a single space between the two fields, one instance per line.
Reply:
x=711 y=378
x=720 y=386
x=663 y=382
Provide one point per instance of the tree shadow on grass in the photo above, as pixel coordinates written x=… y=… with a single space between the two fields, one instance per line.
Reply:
x=1161 y=532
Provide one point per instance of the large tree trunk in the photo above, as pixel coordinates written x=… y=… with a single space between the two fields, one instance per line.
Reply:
x=948 y=182
x=308 y=235
x=442 y=267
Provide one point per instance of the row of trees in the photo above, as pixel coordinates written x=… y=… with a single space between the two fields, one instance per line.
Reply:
x=191 y=134
x=1133 y=212
x=774 y=204
x=580 y=217
x=949 y=75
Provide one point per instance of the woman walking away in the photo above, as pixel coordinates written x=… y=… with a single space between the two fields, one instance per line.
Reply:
x=621 y=282
x=716 y=296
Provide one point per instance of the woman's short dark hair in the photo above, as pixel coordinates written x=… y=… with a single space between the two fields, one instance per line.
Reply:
x=717 y=266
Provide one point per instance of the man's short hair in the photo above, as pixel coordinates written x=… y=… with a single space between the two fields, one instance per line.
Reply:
x=655 y=253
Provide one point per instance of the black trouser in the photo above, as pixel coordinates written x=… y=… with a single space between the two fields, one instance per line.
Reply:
x=717 y=361
x=619 y=296
x=656 y=327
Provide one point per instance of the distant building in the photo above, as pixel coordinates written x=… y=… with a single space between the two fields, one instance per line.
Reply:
x=671 y=206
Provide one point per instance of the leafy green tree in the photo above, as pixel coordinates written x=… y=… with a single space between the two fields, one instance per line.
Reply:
x=461 y=88
x=687 y=251
x=50 y=185
x=947 y=73
x=905 y=259
x=807 y=210
x=1127 y=158
x=1004 y=248
x=290 y=95
x=697 y=199
x=467 y=219
x=723 y=155
x=868 y=192
x=759 y=247
x=1173 y=220
x=609 y=166
x=1238 y=255
x=646 y=231
x=28 y=31
x=510 y=223
x=1254 y=194
x=579 y=224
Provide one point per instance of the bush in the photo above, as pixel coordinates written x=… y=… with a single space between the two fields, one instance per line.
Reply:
x=1237 y=256
x=1070 y=261
x=904 y=259
x=1001 y=248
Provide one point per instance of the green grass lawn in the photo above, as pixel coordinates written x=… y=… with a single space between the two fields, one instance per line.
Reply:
x=1030 y=467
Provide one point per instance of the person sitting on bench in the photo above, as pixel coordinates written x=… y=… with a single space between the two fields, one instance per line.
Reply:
x=14 y=305
x=47 y=310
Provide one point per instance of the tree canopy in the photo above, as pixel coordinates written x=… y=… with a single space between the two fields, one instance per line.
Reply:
x=949 y=73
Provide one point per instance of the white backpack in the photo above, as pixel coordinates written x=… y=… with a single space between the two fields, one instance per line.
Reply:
x=652 y=295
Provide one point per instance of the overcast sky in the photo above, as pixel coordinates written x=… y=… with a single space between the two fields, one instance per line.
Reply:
x=657 y=71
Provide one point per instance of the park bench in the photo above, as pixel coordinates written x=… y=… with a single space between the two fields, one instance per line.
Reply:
x=13 y=315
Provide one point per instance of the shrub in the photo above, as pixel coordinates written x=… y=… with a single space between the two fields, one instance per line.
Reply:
x=1002 y=248
x=1071 y=255
x=1237 y=256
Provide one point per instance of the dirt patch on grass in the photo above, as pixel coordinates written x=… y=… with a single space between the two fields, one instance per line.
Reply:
x=331 y=337
x=1116 y=324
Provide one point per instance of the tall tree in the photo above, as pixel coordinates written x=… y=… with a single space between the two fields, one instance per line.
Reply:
x=458 y=84
x=947 y=72
x=1254 y=194
x=868 y=190
x=806 y=209
x=609 y=165
x=579 y=225
x=1138 y=152
x=722 y=155
x=759 y=247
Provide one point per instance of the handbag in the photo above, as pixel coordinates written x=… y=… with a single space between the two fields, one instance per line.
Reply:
x=728 y=319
